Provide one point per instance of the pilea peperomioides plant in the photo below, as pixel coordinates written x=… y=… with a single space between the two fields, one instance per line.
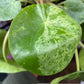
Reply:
x=42 y=38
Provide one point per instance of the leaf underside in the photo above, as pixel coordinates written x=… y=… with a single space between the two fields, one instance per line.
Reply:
x=43 y=39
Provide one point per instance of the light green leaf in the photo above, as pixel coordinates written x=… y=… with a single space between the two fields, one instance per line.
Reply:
x=75 y=9
x=81 y=58
x=9 y=9
x=11 y=66
x=44 y=39
x=76 y=75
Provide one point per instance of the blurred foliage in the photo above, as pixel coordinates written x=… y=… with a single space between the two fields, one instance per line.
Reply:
x=75 y=9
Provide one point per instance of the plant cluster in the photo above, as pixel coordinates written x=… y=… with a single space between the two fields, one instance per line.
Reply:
x=43 y=37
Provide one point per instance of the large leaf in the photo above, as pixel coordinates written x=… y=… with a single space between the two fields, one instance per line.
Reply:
x=81 y=56
x=76 y=75
x=44 y=39
x=11 y=66
x=9 y=9
x=75 y=9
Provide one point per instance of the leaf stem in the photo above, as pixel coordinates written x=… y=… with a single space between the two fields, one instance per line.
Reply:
x=26 y=1
x=59 y=4
x=4 y=46
x=41 y=1
x=81 y=44
x=77 y=60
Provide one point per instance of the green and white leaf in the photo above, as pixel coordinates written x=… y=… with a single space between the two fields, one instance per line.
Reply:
x=44 y=39
x=11 y=66
x=76 y=75
x=9 y=9
x=75 y=9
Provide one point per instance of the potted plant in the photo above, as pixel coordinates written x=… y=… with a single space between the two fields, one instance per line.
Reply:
x=43 y=37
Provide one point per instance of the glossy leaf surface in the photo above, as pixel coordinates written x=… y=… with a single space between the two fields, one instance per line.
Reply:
x=76 y=75
x=9 y=9
x=11 y=66
x=75 y=9
x=42 y=40
x=81 y=57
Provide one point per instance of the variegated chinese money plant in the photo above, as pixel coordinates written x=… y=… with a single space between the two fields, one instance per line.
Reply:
x=42 y=37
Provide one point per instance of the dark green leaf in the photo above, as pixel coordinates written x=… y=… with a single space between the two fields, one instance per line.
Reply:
x=44 y=39
x=76 y=75
x=11 y=66
x=9 y=9
x=82 y=26
x=81 y=56
x=75 y=9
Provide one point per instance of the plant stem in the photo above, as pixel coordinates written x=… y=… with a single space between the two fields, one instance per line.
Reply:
x=77 y=60
x=41 y=1
x=26 y=1
x=4 y=46
x=59 y=4
x=81 y=44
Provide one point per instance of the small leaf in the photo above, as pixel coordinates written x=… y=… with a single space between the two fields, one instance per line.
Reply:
x=76 y=75
x=9 y=9
x=81 y=58
x=42 y=40
x=75 y=9
x=11 y=66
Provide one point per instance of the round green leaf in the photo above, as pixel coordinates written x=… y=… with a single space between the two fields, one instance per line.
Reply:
x=42 y=39
x=11 y=66
x=9 y=9
x=76 y=75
